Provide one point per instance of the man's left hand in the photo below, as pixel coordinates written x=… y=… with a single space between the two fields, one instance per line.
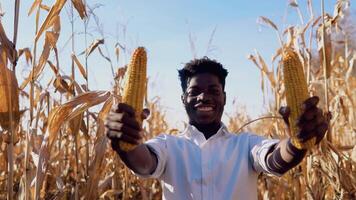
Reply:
x=312 y=121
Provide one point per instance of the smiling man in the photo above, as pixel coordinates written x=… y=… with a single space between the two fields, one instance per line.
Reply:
x=206 y=161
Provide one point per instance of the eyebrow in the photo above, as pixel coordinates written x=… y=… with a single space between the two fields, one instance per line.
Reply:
x=197 y=87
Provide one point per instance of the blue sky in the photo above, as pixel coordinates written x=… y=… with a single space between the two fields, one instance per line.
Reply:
x=163 y=27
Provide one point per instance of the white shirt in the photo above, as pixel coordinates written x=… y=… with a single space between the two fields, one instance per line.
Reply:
x=225 y=166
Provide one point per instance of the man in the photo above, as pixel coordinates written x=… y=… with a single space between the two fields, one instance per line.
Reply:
x=206 y=161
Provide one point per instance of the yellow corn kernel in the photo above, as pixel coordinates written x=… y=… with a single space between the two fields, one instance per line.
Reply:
x=296 y=92
x=135 y=87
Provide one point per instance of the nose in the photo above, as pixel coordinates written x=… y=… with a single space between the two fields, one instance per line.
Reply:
x=203 y=97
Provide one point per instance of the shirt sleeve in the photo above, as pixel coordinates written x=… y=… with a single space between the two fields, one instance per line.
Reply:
x=259 y=148
x=158 y=146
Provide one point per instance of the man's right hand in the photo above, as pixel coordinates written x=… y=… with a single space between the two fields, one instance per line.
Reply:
x=121 y=125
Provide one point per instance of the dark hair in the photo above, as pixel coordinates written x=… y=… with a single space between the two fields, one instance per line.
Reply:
x=199 y=66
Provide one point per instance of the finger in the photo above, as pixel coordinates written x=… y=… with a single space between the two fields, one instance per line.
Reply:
x=129 y=139
x=307 y=126
x=319 y=119
x=307 y=118
x=310 y=102
x=311 y=113
x=112 y=134
x=305 y=136
x=145 y=113
x=112 y=125
x=321 y=130
x=114 y=116
x=123 y=118
x=122 y=107
x=285 y=112
x=130 y=121
x=131 y=132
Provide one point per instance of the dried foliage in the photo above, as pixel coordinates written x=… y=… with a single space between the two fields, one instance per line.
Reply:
x=328 y=171
x=58 y=150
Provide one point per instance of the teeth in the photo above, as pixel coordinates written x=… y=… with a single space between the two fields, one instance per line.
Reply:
x=205 y=109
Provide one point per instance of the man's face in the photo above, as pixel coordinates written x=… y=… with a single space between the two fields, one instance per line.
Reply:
x=204 y=99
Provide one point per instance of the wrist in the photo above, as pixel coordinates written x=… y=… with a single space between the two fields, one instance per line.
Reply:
x=293 y=145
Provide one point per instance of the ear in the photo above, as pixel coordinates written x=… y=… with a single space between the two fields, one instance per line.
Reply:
x=182 y=97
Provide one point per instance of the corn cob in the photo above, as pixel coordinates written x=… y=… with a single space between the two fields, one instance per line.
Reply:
x=135 y=87
x=296 y=92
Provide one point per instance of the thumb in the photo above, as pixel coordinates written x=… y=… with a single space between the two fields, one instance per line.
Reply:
x=145 y=113
x=285 y=112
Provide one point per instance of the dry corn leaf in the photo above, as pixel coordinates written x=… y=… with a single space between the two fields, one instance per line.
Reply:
x=325 y=44
x=9 y=98
x=102 y=54
x=100 y=149
x=93 y=46
x=57 y=117
x=50 y=42
x=80 y=66
x=7 y=45
x=55 y=23
x=79 y=5
x=53 y=67
x=75 y=124
x=45 y=7
x=28 y=54
x=265 y=20
x=35 y=4
x=55 y=11
x=117 y=53
x=264 y=68
x=61 y=85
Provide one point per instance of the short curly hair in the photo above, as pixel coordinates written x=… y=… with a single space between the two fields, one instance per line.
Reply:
x=199 y=66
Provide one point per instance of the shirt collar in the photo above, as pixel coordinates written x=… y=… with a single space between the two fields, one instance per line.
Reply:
x=193 y=134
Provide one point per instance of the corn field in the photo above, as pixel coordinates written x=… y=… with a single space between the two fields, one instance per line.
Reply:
x=52 y=141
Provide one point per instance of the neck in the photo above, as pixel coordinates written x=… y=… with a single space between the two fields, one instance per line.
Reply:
x=207 y=129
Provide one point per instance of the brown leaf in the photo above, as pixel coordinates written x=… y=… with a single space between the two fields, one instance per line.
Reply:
x=45 y=7
x=270 y=74
x=7 y=45
x=50 y=42
x=93 y=46
x=35 y=4
x=53 y=67
x=61 y=85
x=55 y=23
x=28 y=54
x=80 y=66
x=75 y=124
x=265 y=20
x=80 y=7
x=117 y=53
x=325 y=44
x=57 y=117
x=9 y=98
x=55 y=11
x=100 y=149
x=102 y=54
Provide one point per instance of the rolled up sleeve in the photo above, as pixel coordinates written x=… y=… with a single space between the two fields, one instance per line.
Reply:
x=260 y=147
x=158 y=146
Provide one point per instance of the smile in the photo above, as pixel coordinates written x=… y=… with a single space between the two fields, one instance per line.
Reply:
x=205 y=108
